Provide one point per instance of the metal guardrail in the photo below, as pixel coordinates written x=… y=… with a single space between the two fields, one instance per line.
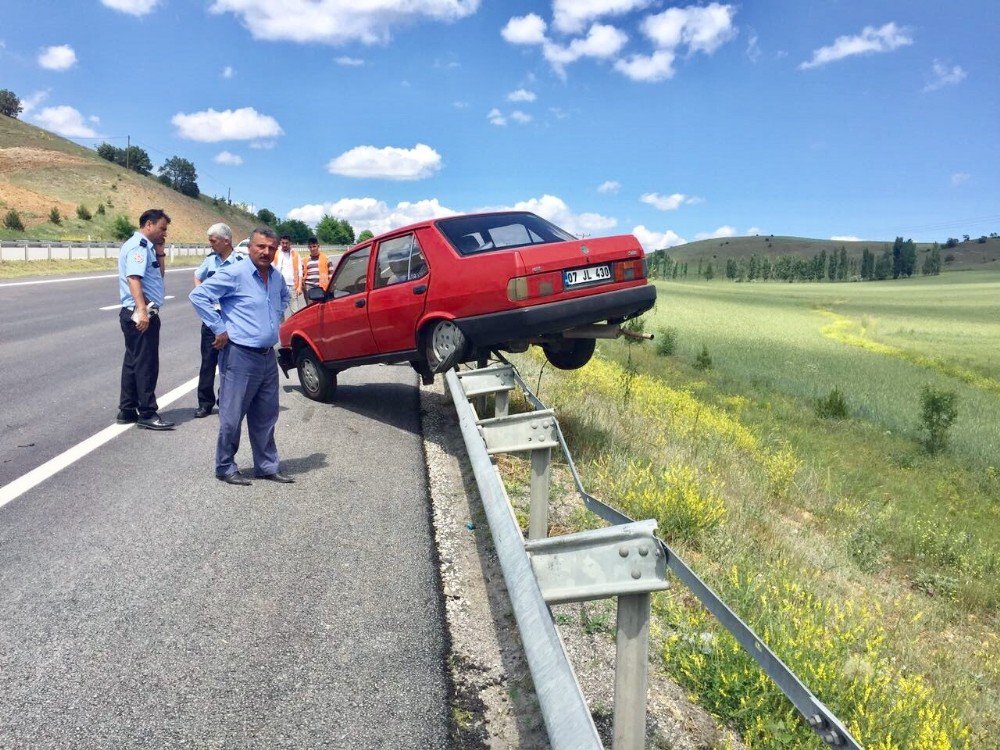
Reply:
x=31 y=250
x=577 y=567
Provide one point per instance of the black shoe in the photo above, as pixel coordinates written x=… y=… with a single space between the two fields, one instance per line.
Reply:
x=235 y=478
x=277 y=477
x=125 y=417
x=203 y=411
x=154 y=422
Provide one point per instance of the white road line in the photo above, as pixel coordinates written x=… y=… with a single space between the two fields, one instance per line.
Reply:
x=84 y=278
x=50 y=468
x=119 y=307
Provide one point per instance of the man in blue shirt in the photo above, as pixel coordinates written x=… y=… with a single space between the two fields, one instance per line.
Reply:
x=252 y=297
x=220 y=237
x=141 y=267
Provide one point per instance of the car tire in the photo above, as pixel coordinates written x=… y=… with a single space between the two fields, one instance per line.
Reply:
x=570 y=354
x=444 y=346
x=318 y=382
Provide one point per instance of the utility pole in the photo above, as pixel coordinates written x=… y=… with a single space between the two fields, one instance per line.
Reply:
x=128 y=148
x=229 y=196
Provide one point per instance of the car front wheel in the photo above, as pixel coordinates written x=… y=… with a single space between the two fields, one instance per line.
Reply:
x=318 y=383
x=444 y=346
x=570 y=354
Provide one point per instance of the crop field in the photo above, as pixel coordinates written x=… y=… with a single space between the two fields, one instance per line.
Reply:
x=869 y=564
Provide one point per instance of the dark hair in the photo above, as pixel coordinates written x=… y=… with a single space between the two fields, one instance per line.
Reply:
x=153 y=215
x=313 y=241
x=286 y=237
x=265 y=232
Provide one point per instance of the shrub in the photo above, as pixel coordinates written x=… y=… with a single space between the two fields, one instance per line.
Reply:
x=100 y=209
x=666 y=344
x=938 y=412
x=704 y=360
x=54 y=216
x=82 y=212
x=13 y=221
x=122 y=228
x=833 y=406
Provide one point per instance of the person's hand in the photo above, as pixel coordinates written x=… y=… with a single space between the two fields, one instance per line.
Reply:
x=220 y=341
x=143 y=322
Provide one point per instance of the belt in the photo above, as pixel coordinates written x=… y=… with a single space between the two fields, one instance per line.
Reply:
x=150 y=311
x=254 y=349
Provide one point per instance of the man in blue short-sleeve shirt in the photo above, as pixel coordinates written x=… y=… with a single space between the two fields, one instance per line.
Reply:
x=220 y=237
x=141 y=268
x=252 y=297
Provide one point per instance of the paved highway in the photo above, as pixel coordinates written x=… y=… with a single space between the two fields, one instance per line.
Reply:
x=147 y=604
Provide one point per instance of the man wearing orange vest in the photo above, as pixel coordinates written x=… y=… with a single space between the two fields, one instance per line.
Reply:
x=289 y=265
x=316 y=269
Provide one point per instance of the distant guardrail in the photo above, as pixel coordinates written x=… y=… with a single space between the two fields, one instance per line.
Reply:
x=27 y=250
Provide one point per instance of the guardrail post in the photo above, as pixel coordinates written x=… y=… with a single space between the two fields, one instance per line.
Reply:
x=502 y=404
x=538 y=514
x=631 y=672
x=48 y=253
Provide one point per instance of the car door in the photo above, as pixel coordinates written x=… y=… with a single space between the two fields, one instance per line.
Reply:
x=345 y=332
x=396 y=301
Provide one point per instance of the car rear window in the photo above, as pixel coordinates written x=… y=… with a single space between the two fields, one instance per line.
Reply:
x=480 y=234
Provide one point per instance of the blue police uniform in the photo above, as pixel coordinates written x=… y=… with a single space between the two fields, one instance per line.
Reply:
x=250 y=312
x=209 y=354
x=141 y=364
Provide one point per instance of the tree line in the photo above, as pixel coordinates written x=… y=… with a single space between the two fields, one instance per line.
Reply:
x=176 y=172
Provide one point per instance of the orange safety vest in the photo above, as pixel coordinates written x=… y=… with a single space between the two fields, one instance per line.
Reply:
x=296 y=267
x=324 y=270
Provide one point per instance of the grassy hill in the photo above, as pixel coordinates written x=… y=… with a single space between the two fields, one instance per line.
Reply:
x=965 y=256
x=40 y=171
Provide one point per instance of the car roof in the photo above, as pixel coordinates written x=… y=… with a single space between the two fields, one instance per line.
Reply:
x=429 y=222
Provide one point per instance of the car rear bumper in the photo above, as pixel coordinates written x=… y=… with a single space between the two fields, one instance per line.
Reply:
x=556 y=317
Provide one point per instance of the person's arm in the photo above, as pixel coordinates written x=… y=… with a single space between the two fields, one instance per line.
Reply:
x=135 y=289
x=204 y=297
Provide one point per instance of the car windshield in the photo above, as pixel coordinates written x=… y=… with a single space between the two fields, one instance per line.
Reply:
x=479 y=234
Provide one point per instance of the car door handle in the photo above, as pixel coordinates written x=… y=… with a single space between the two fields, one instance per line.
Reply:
x=420 y=289
x=359 y=303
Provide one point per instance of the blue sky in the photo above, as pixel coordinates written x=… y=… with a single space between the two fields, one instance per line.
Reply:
x=674 y=121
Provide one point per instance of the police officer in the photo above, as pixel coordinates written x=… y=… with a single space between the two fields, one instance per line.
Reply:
x=220 y=237
x=252 y=296
x=141 y=268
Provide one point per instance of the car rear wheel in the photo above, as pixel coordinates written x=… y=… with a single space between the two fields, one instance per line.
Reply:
x=444 y=346
x=570 y=354
x=318 y=383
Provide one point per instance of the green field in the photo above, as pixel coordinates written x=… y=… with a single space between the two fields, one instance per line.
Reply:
x=869 y=565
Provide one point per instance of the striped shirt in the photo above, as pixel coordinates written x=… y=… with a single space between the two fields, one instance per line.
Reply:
x=311 y=277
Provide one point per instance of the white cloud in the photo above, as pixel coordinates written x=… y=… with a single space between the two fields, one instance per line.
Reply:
x=372 y=214
x=529 y=29
x=609 y=186
x=700 y=29
x=755 y=230
x=944 y=76
x=337 y=21
x=132 y=7
x=263 y=145
x=228 y=159
x=31 y=102
x=845 y=238
x=870 y=40
x=571 y=16
x=495 y=116
x=648 y=68
x=519 y=116
x=753 y=47
x=228 y=72
x=61 y=57
x=210 y=126
x=669 y=202
x=349 y=62
x=521 y=95
x=460 y=105
x=959 y=177
x=555 y=210
x=389 y=163
x=66 y=121
x=601 y=42
x=651 y=240
x=723 y=231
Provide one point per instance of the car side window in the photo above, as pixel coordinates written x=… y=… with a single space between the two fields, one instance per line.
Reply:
x=399 y=259
x=351 y=277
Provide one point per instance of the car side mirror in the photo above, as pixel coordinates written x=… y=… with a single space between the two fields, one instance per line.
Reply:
x=315 y=294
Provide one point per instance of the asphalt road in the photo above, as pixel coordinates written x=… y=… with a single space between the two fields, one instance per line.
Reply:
x=144 y=603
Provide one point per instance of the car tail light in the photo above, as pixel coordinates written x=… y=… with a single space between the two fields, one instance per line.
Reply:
x=630 y=270
x=537 y=285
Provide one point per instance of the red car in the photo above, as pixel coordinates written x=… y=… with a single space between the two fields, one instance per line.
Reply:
x=452 y=290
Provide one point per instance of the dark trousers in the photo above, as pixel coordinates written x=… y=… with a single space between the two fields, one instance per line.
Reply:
x=206 y=375
x=140 y=366
x=249 y=388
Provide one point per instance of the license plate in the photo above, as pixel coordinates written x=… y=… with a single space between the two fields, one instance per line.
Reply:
x=589 y=275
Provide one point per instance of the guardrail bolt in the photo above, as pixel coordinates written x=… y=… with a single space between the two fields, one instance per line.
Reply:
x=831 y=738
x=636 y=573
x=815 y=721
x=623 y=551
x=643 y=550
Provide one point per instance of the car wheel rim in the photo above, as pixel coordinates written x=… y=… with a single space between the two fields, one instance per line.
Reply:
x=444 y=340
x=310 y=376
